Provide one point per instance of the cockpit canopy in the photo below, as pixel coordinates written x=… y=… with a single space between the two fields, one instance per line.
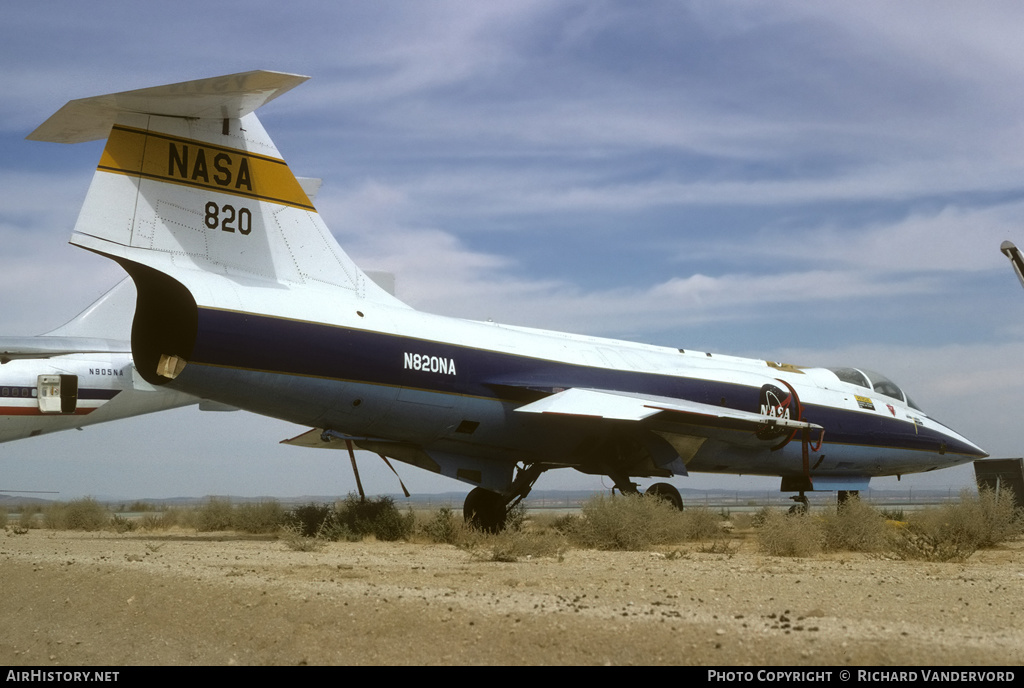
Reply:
x=877 y=382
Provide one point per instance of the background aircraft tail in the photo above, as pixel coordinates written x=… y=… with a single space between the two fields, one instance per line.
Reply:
x=108 y=317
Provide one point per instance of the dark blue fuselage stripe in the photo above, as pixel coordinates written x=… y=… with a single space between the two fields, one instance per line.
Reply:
x=278 y=345
x=104 y=394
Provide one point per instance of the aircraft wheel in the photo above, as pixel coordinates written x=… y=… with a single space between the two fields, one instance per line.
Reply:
x=667 y=492
x=484 y=510
x=802 y=506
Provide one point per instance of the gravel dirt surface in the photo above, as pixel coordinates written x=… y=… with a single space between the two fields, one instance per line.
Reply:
x=72 y=598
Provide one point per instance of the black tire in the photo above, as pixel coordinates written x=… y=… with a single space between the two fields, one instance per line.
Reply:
x=484 y=510
x=667 y=492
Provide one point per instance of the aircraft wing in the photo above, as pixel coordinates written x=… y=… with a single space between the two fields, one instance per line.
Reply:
x=677 y=416
x=13 y=348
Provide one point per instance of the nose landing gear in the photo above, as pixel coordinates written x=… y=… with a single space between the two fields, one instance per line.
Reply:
x=802 y=505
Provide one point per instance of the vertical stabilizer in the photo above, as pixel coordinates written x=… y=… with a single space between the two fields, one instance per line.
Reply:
x=190 y=185
x=110 y=316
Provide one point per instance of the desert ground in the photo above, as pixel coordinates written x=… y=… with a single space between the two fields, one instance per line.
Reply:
x=186 y=598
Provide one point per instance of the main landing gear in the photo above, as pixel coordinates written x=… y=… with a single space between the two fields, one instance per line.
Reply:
x=485 y=510
x=660 y=490
x=488 y=511
x=667 y=492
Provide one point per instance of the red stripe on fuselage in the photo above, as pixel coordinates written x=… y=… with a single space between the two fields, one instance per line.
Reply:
x=29 y=411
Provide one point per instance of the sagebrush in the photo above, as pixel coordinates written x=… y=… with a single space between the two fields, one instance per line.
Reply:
x=954 y=531
x=78 y=514
x=949 y=532
x=635 y=522
x=783 y=534
x=854 y=526
x=352 y=519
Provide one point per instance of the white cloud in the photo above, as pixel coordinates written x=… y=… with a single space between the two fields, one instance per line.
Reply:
x=950 y=239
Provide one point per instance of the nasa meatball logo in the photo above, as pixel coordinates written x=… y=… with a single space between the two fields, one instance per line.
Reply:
x=777 y=403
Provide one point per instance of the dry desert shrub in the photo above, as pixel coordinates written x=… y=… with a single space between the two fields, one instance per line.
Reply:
x=954 y=531
x=375 y=516
x=351 y=519
x=122 y=524
x=522 y=538
x=28 y=516
x=78 y=514
x=215 y=514
x=444 y=527
x=218 y=513
x=950 y=532
x=634 y=522
x=700 y=523
x=511 y=545
x=294 y=540
x=788 y=535
x=310 y=520
x=169 y=518
x=265 y=516
x=854 y=527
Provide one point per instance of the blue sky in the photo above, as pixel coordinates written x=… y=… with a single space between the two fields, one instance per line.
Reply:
x=820 y=183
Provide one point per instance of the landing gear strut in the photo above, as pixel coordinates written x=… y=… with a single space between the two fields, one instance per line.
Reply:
x=802 y=505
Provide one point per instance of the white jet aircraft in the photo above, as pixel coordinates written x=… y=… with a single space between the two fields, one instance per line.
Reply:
x=79 y=374
x=245 y=297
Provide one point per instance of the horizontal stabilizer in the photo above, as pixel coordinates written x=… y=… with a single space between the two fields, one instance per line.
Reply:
x=14 y=348
x=223 y=97
x=493 y=475
x=311 y=185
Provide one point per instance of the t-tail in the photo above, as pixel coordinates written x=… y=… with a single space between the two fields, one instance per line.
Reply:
x=194 y=200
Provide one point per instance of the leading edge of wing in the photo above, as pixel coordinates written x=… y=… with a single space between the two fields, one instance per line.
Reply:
x=632 y=406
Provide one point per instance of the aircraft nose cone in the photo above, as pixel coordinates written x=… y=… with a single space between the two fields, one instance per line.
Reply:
x=961 y=445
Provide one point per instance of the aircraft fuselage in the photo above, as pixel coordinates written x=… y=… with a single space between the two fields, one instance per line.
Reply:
x=415 y=381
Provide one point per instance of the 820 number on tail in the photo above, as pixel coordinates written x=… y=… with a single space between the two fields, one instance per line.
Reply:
x=228 y=218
